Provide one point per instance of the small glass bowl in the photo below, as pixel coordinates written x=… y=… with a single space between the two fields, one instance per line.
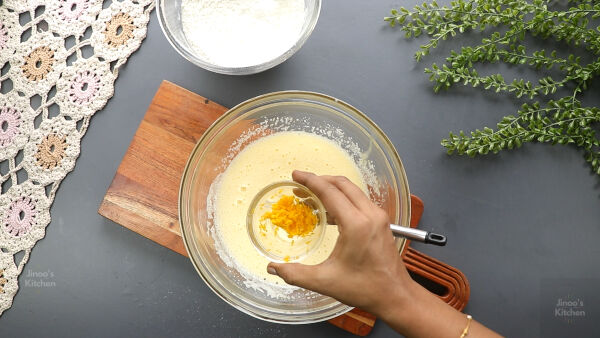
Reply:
x=169 y=17
x=274 y=242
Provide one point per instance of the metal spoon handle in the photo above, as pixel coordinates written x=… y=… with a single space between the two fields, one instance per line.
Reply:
x=418 y=235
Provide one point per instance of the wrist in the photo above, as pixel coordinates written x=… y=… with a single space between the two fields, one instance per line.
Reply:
x=398 y=307
x=401 y=293
x=416 y=312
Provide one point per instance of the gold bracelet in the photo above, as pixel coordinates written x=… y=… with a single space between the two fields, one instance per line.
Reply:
x=466 y=330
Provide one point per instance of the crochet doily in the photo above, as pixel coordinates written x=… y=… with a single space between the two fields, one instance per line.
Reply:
x=59 y=60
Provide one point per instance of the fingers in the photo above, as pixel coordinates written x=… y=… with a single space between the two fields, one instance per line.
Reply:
x=304 y=276
x=352 y=192
x=334 y=200
x=330 y=218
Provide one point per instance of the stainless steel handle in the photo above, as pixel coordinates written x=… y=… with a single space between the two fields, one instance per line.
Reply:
x=418 y=235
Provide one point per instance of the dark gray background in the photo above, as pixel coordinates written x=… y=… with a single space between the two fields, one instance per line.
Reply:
x=512 y=220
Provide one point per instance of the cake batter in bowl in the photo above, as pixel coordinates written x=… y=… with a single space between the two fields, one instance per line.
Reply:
x=259 y=142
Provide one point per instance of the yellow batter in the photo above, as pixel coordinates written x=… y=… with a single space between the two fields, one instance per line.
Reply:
x=267 y=160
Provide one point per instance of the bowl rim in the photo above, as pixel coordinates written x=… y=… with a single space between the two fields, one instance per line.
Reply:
x=246 y=70
x=286 y=93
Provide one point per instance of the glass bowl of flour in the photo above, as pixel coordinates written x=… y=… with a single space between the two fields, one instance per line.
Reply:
x=253 y=145
x=237 y=37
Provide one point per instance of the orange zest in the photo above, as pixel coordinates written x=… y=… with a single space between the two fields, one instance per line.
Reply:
x=293 y=216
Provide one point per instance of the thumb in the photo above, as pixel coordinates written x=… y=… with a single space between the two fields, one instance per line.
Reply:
x=304 y=276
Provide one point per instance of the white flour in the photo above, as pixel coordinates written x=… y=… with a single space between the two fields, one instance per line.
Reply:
x=240 y=33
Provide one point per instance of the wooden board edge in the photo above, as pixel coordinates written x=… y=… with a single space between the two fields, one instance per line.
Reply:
x=161 y=236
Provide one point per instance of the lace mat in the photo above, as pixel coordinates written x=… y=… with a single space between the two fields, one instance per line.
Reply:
x=59 y=60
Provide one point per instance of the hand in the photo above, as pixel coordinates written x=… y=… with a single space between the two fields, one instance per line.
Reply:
x=365 y=261
x=365 y=270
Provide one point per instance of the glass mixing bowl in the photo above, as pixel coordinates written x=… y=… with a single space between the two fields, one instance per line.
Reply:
x=256 y=118
x=169 y=17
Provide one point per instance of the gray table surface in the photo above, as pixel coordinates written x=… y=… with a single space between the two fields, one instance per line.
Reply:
x=515 y=222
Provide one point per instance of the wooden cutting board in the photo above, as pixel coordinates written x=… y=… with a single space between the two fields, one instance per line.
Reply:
x=144 y=192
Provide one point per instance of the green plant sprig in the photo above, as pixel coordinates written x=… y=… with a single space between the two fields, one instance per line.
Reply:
x=445 y=77
x=562 y=121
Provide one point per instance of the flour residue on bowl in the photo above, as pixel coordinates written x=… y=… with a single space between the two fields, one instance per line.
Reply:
x=242 y=33
x=262 y=155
